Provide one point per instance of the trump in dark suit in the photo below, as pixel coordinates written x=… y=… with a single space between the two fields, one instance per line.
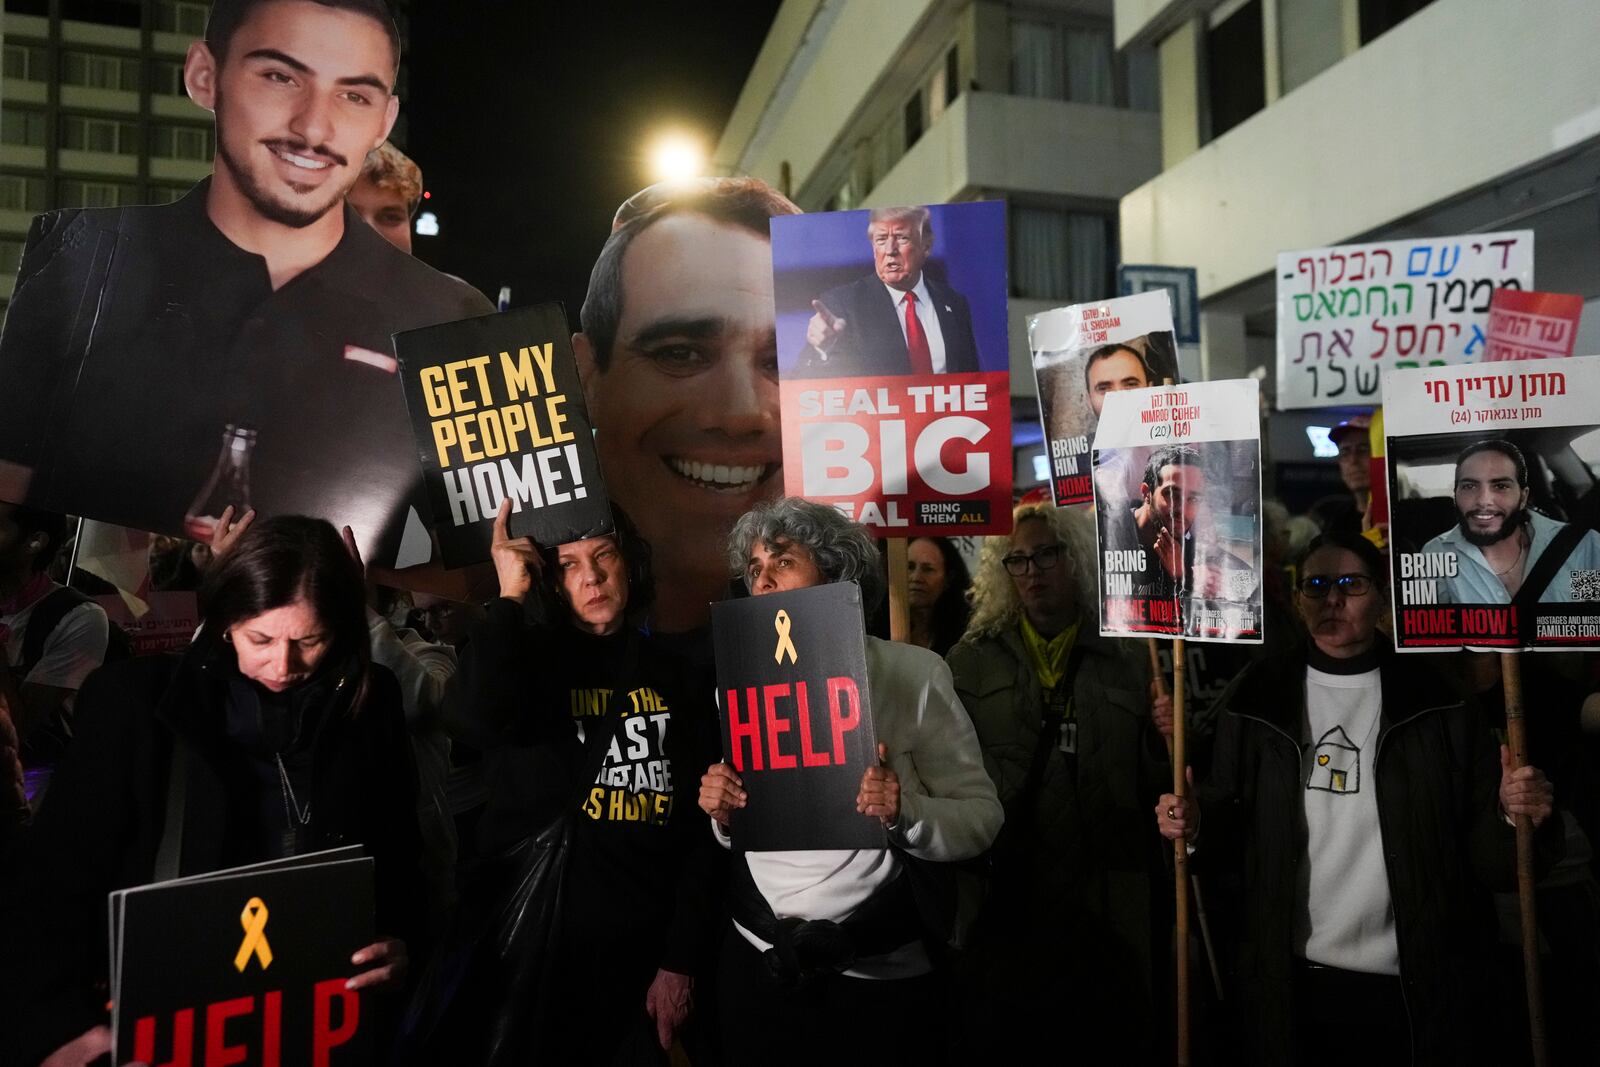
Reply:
x=898 y=320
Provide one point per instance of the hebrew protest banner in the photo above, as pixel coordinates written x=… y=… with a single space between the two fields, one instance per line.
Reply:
x=244 y=965
x=797 y=717
x=1348 y=314
x=893 y=367
x=498 y=411
x=1082 y=354
x=1529 y=325
x=1492 y=518
x=1177 y=493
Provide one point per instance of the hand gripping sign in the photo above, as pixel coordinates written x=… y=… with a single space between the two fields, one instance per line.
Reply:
x=797 y=716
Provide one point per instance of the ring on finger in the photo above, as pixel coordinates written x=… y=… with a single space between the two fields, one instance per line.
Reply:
x=1172 y=812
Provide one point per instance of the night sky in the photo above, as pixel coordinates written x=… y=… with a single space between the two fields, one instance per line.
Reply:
x=530 y=127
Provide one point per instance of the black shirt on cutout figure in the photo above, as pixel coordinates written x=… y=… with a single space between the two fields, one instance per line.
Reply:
x=136 y=336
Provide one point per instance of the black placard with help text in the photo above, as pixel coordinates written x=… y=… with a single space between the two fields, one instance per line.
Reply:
x=244 y=966
x=797 y=717
x=497 y=410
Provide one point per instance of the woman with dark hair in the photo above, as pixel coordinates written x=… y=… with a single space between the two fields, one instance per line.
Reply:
x=290 y=741
x=936 y=593
x=586 y=715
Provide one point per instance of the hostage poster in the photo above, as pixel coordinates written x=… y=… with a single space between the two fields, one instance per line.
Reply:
x=1347 y=315
x=1492 y=510
x=893 y=366
x=498 y=411
x=1177 y=493
x=1082 y=354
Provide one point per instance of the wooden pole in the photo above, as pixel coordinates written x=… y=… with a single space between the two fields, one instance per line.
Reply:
x=1160 y=677
x=1517 y=742
x=899 y=603
x=1180 y=855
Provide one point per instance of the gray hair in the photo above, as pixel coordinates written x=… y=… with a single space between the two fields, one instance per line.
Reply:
x=918 y=215
x=842 y=550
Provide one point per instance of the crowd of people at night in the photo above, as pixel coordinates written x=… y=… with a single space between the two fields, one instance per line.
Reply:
x=1349 y=811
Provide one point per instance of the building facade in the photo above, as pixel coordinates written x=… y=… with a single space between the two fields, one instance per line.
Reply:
x=860 y=103
x=1289 y=124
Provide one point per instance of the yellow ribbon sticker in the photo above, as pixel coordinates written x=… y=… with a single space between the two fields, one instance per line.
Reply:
x=254 y=921
x=780 y=622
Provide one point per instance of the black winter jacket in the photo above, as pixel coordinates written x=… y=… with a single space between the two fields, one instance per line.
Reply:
x=100 y=826
x=1445 y=842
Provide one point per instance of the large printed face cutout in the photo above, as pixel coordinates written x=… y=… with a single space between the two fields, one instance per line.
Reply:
x=594 y=583
x=300 y=99
x=686 y=408
x=1489 y=502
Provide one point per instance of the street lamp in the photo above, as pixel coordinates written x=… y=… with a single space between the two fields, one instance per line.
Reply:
x=675 y=156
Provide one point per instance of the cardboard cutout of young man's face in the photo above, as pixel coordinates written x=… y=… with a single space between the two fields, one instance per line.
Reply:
x=300 y=99
x=687 y=406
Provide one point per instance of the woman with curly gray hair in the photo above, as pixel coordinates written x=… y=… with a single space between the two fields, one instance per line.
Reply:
x=1066 y=722
x=845 y=921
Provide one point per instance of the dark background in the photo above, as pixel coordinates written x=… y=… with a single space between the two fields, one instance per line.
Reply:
x=531 y=121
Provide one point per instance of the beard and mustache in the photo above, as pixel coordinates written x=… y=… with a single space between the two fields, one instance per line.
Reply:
x=1513 y=521
x=294 y=215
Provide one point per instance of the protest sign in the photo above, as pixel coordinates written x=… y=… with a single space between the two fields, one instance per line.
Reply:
x=1348 y=314
x=897 y=412
x=1492 y=517
x=1082 y=354
x=167 y=622
x=1529 y=325
x=1177 y=492
x=498 y=411
x=244 y=965
x=797 y=717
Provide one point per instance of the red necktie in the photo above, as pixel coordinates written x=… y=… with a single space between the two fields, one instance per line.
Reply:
x=916 y=340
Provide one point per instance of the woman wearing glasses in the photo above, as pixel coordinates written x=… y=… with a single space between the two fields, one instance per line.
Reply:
x=1065 y=720
x=1359 y=799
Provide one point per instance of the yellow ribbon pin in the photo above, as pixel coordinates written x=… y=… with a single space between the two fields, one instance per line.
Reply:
x=780 y=622
x=254 y=921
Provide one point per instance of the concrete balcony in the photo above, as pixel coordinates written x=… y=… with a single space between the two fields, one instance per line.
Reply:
x=83 y=96
x=995 y=142
x=34 y=26
x=1407 y=122
x=21 y=157
x=16 y=222
x=107 y=163
x=176 y=107
x=17 y=91
x=93 y=33
x=179 y=170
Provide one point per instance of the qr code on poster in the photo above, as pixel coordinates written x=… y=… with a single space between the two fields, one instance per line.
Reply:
x=1242 y=585
x=1586 y=585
